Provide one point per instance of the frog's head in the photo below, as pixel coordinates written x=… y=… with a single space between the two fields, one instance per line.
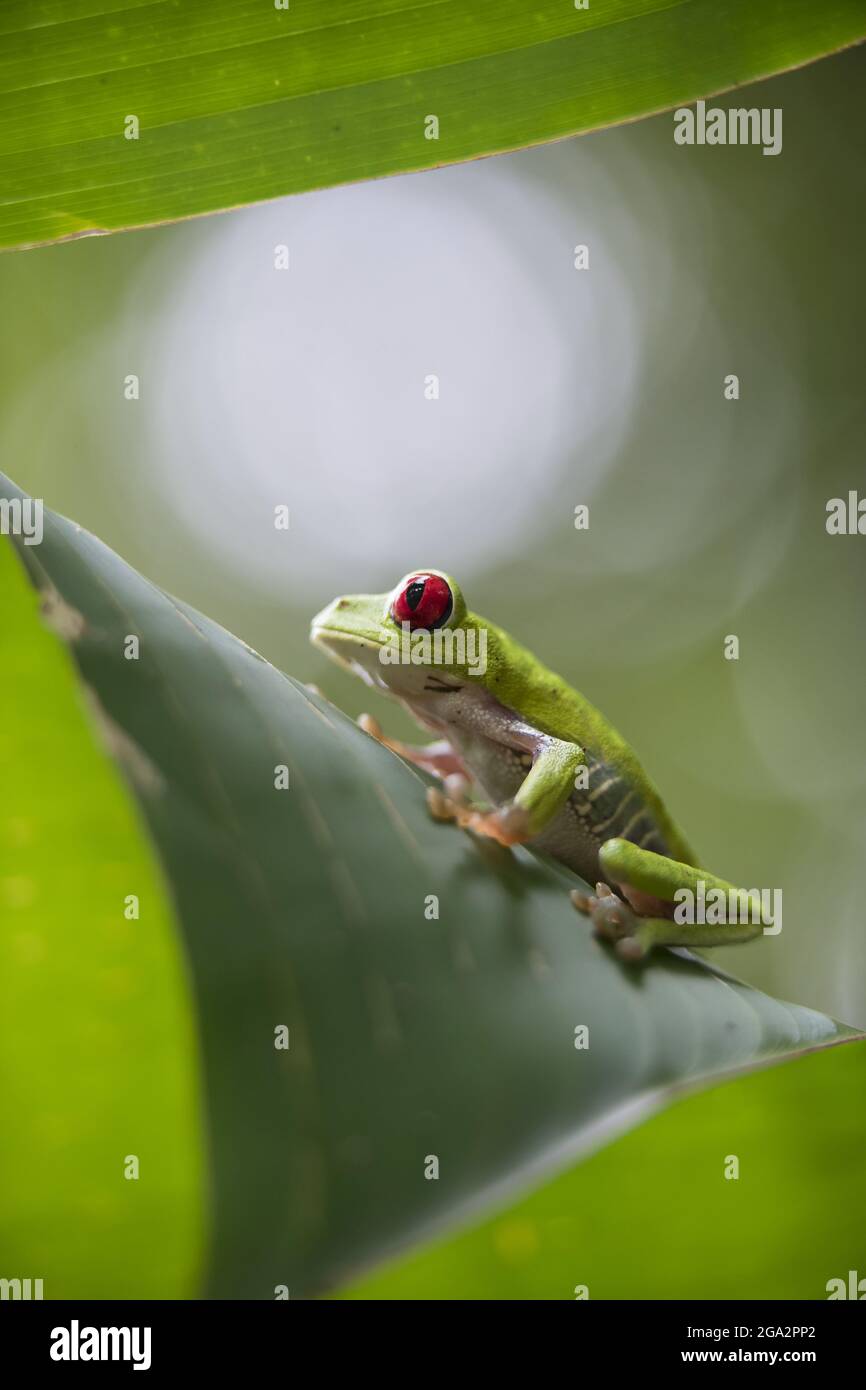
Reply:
x=367 y=632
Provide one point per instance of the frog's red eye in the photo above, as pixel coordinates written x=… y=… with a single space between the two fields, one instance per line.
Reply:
x=424 y=601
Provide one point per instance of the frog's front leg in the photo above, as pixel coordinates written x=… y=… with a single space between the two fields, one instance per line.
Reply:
x=503 y=742
x=439 y=758
x=650 y=882
x=542 y=793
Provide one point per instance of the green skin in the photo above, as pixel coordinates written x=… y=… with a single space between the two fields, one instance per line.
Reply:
x=557 y=775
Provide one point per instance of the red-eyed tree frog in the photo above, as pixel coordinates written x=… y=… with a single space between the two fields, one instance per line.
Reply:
x=554 y=774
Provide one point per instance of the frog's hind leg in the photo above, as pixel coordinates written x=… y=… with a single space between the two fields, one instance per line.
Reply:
x=613 y=920
x=644 y=916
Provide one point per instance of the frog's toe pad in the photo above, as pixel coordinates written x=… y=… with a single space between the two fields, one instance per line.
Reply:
x=442 y=807
x=613 y=920
x=451 y=805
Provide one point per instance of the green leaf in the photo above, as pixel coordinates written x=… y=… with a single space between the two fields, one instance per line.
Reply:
x=410 y=1036
x=655 y=1215
x=98 y=1038
x=238 y=101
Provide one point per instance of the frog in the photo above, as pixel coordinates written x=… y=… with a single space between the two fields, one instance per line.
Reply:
x=521 y=757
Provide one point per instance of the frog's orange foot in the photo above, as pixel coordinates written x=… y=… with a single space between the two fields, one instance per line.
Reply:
x=612 y=920
x=451 y=804
x=509 y=825
x=446 y=808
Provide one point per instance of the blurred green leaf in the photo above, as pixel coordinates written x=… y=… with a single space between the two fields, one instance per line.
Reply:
x=654 y=1216
x=98 y=1040
x=239 y=101
x=305 y=907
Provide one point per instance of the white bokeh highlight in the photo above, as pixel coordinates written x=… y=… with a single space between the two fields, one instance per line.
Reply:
x=306 y=386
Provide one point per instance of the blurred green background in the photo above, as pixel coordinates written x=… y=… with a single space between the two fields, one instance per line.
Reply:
x=556 y=387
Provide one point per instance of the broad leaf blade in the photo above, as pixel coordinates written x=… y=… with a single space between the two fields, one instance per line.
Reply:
x=412 y=1036
x=239 y=101
x=98 y=1035
x=663 y=1214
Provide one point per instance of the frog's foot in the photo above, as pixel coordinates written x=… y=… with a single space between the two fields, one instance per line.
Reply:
x=614 y=921
x=508 y=825
x=446 y=808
